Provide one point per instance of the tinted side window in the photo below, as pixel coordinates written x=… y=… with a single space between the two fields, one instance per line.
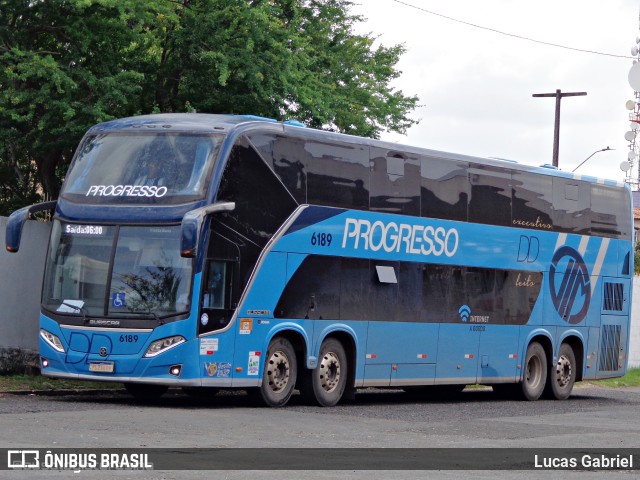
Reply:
x=435 y=292
x=337 y=174
x=516 y=294
x=395 y=182
x=480 y=290
x=610 y=212
x=360 y=289
x=410 y=292
x=285 y=156
x=313 y=291
x=383 y=295
x=444 y=189
x=572 y=202
x=490 y=201
x=355 y=284
x=531 y=201
x=262 y=202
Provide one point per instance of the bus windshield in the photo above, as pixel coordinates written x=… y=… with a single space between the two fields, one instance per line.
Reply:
x=120 y=168
x=143 y=275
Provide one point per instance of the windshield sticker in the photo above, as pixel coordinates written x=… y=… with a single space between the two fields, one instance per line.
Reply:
x=119 y=300
x=254 y=363
x=84 y=230
x=208 y=346
x=126 y=191
x=246 y=326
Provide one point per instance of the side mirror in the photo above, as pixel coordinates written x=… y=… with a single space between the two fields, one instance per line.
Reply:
x=192 y=226
x=16 y=222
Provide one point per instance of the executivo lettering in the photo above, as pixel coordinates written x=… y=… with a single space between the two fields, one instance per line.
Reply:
x=403 y=237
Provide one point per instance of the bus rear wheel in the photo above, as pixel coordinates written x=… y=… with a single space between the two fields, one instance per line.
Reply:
x=279 y=374
x=535 y=372
x=328 y=380
x=562 y=375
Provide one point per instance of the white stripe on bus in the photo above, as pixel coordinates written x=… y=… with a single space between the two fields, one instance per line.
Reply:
x=582 y=248
x=562 y=238
x=602 y=253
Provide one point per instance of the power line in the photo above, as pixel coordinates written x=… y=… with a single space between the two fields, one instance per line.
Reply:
x=511 y=34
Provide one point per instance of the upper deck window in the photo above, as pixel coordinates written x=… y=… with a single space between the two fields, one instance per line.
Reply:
x=141 y=168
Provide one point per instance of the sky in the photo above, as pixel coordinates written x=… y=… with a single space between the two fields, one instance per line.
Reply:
x=475 y=86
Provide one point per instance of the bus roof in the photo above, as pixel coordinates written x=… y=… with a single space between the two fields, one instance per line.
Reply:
x=206 y=123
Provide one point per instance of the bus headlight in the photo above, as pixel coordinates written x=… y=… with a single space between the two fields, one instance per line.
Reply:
x=160 y=346
x=53 y=341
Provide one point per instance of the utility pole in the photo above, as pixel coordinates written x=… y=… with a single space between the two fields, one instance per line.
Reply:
x=556 y=131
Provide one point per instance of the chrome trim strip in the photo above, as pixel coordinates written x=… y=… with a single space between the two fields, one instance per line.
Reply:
x=216 y=382
x=106 y=329
x=494 y=380
x=246 y=382
x=191 y=382
x=456 y=381
x=399 y=382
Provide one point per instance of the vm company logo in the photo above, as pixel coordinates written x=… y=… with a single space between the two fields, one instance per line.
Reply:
x=464 y=312
x=570 y=285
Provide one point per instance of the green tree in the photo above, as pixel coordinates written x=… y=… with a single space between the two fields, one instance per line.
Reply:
x=68 y=64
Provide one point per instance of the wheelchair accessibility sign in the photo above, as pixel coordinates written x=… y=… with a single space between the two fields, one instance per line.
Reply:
x=118 y=300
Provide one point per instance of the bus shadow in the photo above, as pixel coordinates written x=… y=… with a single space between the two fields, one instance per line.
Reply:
x=176 y=398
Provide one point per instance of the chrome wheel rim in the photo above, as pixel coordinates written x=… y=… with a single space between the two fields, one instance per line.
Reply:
x=278 y=371
x=329 y=372
x=564 y=371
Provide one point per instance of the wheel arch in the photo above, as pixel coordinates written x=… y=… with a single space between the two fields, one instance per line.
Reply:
x=296 y=336
x=347 y=337
x=544 y=339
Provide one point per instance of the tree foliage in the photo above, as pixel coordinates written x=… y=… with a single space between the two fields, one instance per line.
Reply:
x=68 y=64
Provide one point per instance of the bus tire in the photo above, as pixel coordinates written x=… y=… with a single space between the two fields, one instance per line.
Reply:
x=279 y=374
x=144 y=392
x=535 y=372
x=562 y=374
x=327 y=382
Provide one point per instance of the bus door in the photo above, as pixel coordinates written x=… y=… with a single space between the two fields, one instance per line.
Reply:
x=219 y=296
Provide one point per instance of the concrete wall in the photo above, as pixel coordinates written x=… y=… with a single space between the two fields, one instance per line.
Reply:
x=634 y=334
x=20 y=286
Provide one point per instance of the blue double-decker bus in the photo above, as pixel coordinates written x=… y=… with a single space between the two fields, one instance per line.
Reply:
x=218 y=251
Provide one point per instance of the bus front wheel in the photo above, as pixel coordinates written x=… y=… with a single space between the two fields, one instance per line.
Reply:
x=535 y=372
x=329 y=379
x=562 y=375
x=279 y=374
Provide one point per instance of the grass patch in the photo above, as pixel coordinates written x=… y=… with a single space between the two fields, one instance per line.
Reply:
x=40 y=383
x=631 y=379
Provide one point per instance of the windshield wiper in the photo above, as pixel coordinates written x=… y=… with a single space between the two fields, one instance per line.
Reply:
x=78 y=309
x=147 y=312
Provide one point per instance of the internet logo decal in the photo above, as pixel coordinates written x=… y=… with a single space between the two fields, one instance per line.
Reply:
x=464 y=312
x=570 y=285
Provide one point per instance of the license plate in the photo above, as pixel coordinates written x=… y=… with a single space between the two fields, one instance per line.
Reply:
x=101 y=367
